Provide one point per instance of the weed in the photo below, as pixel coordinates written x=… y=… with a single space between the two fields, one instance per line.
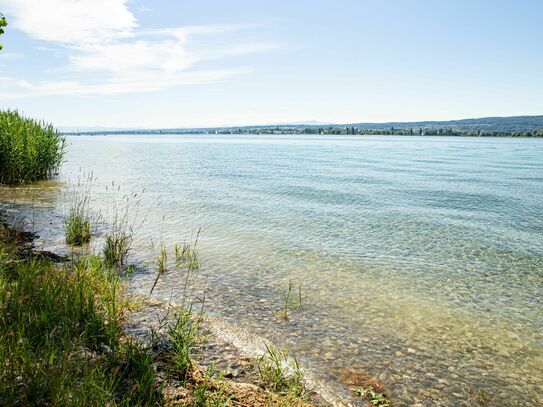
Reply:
x=77 y=228
x=281 y=373
x=161 y=266
x=284 y=312
x=139 y=372
x=376 y=399
x=116 y=248
x=210 y=392
x=77 y=225
x=123 y=221
x=186 y=254
x=182 y=334
x=55 y=322
x=162 y=261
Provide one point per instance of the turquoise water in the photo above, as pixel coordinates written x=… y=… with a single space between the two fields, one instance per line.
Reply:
x=419 y=258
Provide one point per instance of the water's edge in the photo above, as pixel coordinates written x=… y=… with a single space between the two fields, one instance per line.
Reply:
x=246 y=343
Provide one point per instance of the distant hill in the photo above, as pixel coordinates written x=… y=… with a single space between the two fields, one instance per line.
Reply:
x=509 y=124
x=513 y=124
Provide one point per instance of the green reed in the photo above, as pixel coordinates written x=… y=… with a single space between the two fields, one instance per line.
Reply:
x=77 y=228
x=78 y=224
x=287 y=303
x=187 y=254
x=29 y=149
x=281 y=373
x=122 y=219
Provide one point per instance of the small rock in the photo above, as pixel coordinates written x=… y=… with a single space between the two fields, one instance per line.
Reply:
x=231 y=373
x=411 y=350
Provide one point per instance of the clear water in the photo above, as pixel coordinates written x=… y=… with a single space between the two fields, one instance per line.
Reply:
x=419 y=258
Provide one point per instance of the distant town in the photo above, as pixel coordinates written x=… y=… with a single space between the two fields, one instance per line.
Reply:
x=516 y=126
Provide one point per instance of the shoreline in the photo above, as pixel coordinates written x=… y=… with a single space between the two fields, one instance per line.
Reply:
x=233 y=345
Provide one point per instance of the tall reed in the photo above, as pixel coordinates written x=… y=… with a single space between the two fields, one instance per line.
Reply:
x=78 y=224
x=29 y=149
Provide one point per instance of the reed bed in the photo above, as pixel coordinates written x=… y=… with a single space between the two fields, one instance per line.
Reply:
x=30 y=149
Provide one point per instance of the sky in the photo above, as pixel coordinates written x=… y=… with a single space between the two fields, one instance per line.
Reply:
x=199 y=63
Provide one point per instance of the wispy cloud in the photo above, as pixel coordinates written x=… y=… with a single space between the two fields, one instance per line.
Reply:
x=72 y=22
x=108 y=53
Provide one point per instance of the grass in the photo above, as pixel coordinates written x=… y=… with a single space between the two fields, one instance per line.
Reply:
x=187 y=254
x=116 y=248
x=62 y=342
x=287 y=304
x=162 y=264
x=123 y=221
x=281 y=373
x=61 y=335
x=210 y=392
x=162 y=261
x=78 y=225
x=77 y=228
x=29 y=149
x=182 y=335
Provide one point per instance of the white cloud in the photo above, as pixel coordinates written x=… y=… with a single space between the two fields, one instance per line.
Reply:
x=12 y=89
x=107 y=53
x=72 y=22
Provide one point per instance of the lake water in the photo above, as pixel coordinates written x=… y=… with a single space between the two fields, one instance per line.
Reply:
x=418 y=258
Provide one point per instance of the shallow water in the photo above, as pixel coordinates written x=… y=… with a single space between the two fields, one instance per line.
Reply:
x=419 y=258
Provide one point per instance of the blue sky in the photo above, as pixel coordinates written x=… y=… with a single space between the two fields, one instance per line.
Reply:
x=166 y=63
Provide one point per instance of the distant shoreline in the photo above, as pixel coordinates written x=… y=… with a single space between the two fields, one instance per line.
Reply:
x=513 y=126
x=539 y=134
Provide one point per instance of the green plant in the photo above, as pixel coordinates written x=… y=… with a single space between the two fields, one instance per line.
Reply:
x=56 y=321
x=281 y=373
x=182 y=334
x=162 y=261
x=186 y=254
x=77 y=228
x=29 y=149
x=161 y=266
x=3 y=23
x=210 y=392
x=122 y=220
x=284 y=312
x=116 y=248
x=375 y=398
x=138 y=370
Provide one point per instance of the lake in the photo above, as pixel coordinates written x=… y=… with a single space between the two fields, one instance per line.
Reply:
x=418 y=258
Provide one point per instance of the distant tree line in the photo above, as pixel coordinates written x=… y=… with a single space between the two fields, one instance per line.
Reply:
x=352 y=130
x=333 y=130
